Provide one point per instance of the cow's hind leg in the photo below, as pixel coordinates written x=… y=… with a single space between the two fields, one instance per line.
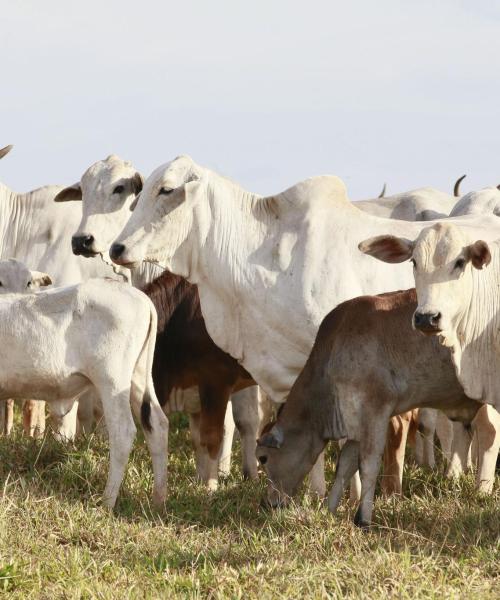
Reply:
x=207 y=468
x=155 y=426
x=486 y=425
x=394 y=454
x=347 y=465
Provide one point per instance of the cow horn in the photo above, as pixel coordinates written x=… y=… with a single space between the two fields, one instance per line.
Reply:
x=456 y=187
x=6 y=150
x=498 y=187
x=382 y=193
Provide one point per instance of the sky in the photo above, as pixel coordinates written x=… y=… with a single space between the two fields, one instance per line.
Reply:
x=267 y=92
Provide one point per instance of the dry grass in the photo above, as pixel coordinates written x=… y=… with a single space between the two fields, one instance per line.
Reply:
x=441 y=541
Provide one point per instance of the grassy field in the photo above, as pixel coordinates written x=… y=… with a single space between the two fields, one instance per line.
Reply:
x=441 y=541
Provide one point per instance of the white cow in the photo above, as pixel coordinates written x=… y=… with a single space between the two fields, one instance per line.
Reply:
x=267 y=269
x=458 y=300
x=485 y=201
x=99 y=334
x=38 y=232
x=423 y=204
x=106 y=192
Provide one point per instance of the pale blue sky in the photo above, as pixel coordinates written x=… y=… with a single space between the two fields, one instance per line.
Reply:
x=266 y=92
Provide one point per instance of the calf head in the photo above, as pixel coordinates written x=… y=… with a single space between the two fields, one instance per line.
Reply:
x=16 y=278
x=163 y=218
x=287 y=456
x=107 y=191
x=443 y=260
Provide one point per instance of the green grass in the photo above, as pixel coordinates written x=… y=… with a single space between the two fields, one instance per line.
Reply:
x=441 y=541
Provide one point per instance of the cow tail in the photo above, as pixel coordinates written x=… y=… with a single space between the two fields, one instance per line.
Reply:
x=148 y=349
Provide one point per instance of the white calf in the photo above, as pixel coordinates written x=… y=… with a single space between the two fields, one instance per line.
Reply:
x=100 y=334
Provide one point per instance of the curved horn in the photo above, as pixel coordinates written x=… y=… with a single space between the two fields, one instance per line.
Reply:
x=382 y=193
x=6 y=150
x=498 y=187
x=456 y=187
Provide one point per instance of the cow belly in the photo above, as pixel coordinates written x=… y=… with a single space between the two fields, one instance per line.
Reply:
x=42 y=386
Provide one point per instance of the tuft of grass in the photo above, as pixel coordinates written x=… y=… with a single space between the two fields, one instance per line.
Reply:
x=442 y=540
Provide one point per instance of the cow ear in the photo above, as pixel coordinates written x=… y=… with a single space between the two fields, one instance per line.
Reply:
x=40 y=279
x=479 y=254
x=72 y=192
x=272 y=439
x=134 y=202
x=137 y=183
x=388 y=248
x=5 y=150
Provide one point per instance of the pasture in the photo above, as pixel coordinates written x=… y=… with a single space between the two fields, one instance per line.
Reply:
x=441 y=541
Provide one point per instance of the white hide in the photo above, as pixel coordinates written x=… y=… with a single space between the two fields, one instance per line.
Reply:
x=485 y=201
x=423 y=204
x=268 y=269
x=100 y=334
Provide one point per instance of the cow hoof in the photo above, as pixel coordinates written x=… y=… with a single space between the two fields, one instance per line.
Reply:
x=360 y=522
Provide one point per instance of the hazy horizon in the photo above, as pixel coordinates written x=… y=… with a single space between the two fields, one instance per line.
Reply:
x=267 y=93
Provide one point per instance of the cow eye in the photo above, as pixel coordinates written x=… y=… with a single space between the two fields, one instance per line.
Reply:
x=1 y=284
x=165 y=191
x=118 y=189
x=263 y=460
x=460 y=264
x=29 y=284
x=413 y=262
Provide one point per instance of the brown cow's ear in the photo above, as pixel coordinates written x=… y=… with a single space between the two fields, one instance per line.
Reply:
x=479 y=254
x=388 y=248
x=134 y=202
x=137 y=183
x=72 y=192
x=272 y=439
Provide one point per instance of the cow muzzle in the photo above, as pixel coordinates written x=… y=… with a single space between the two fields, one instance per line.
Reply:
x=428 y=323
x=83 y=245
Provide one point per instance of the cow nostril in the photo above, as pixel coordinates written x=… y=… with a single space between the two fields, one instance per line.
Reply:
x=418 y=318
x=116 y=250
x=88 y=240
x=434 y=319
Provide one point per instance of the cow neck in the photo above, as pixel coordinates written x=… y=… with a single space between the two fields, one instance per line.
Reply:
x=475 y=348
x=167 y=293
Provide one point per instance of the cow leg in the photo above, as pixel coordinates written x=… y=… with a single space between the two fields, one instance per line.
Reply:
x=207 y=468
x=34 y=418
x=156 y=434
x=445 y=433
x=317 y=483
x=394 y=454
x=486 y=425
x=213 y=400
x=347 y=465
x=371 y=449
x=461 y=441
x=121 y=430
x=246 y=415
x=227 y=442
x=424 y=442
x=63 y=417
x=6 y=416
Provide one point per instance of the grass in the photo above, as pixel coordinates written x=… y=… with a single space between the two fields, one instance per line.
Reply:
x=441 y=541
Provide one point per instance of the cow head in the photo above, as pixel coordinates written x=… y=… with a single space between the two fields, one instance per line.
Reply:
x=443 y=260
x=165 y=214
x=107 y=190
x=16 y=278
x=287 y=456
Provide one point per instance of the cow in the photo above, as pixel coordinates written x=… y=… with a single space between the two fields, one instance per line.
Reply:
x=37 y=232
x=457 y=301
x=486 y=201
x=185 y=354
x=15 y=277
x=99 y=334
x=423 y=204
x=366 y=365
x=267 y=269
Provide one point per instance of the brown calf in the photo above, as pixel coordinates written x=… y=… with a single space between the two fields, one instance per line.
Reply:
x=367 y=364
x=185 y=356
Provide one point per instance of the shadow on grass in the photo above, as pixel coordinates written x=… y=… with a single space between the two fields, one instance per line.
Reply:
x=436 y=515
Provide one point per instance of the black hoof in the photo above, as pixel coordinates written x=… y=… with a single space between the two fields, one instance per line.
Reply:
x=360 y=522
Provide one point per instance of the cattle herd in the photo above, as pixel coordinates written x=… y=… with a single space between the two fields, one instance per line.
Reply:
x=184 y=291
